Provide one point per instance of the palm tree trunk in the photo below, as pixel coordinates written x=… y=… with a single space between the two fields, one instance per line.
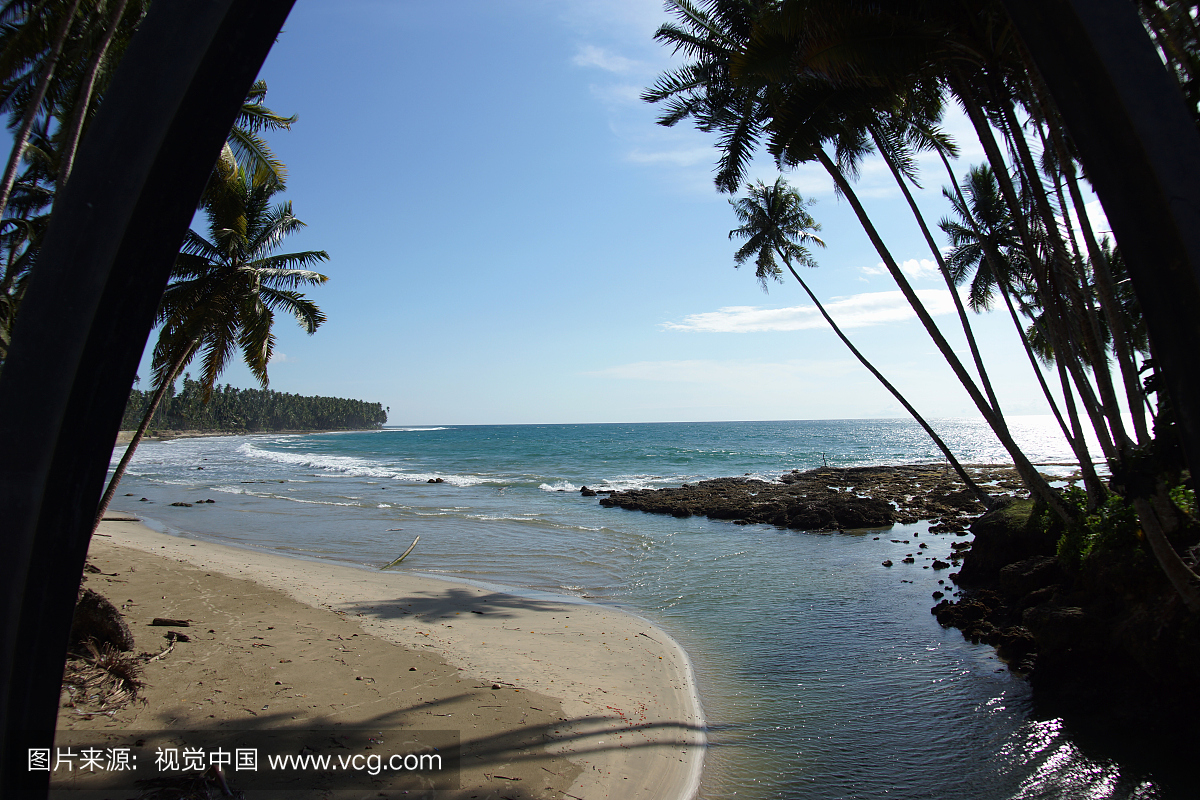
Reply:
x=84 y=98
x=978 y=491
x=1029 y=474
x=1095 y=488
x=1056 y=317
x=1090 y=327
x=31 y=112
x=941 y=262
x=1185 y=582
x=1112 y=313
x=1074 y=436
x=993 y=260
x=119 y=473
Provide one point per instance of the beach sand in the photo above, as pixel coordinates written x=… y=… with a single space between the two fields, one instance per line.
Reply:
x=550 y=699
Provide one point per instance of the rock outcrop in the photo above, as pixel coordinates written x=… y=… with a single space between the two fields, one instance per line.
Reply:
x=823 y=499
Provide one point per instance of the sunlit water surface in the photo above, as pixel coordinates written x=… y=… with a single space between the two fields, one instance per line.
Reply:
x=822 y=673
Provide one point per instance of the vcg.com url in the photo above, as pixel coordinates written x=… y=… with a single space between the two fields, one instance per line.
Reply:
x=372 y=764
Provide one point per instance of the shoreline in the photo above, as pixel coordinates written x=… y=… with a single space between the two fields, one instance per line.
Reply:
x=630 y=724
x=167 y=435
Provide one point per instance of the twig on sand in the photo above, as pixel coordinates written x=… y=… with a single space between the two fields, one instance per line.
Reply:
x=170 y=647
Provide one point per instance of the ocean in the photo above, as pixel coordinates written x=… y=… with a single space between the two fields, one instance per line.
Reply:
x=822 y=674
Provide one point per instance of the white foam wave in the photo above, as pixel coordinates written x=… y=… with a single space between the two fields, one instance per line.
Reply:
x=384 y=505
x=623 y=483
x=502 y=517
x=309 y=502
x=353 y=467
x=410 y=430
x=559 y=486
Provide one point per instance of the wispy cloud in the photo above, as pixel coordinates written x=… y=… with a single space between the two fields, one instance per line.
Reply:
x=914 y=269
x=682 y=156
x=618 y=94
x=856 y=311
x=589 y=55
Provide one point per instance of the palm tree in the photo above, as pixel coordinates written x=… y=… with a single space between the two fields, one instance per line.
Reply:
x=775 y=222
x=986 y=251
x=35 y=36
x=224 y=293
x=110 y=26
x=801 y=76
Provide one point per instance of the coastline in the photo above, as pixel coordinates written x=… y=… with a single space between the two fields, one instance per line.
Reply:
x=627 y=724
x=166 y=435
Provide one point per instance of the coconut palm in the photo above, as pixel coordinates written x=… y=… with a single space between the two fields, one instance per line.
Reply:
x=224 y=294
x=775 y=222
x=986 y=251
x=110 y=24
x=803 y=77
x=33 y=40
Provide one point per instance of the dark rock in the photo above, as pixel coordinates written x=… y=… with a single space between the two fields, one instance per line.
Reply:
x=1036 y=598
x=1004 y=536
x=436 y=480
x=940 y=564
x=1028 y=576
x=586 y=492
x=887 y=563
x=1059 y=627
x=182 y=505
x=99 y=620
x=1014 y=643
x=963 y=500
x=826 y=498
x=979 y=632
x=908 y=560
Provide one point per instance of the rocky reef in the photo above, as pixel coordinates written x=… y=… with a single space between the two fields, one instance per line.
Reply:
x=827 y=498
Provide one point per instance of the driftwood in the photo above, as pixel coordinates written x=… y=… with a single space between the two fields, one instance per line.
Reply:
x=403 y=555
x=171 y=623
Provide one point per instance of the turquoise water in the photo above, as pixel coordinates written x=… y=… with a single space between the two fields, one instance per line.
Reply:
x=823 y=674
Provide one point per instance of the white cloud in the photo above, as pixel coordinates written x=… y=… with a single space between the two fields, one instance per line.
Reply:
x=856 y=311
x=589 y=55
x=627 y=19
x=281 y=358
x=618 y=94
x=680 y=157
x=913 y=269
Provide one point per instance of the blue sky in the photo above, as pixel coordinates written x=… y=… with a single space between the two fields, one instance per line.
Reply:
x=513 y=239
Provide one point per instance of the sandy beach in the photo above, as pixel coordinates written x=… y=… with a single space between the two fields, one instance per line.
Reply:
x=550 y=699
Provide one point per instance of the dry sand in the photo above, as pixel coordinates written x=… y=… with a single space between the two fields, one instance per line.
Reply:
x=551 y=699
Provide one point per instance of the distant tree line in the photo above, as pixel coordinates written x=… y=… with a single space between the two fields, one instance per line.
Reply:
x=232 y=409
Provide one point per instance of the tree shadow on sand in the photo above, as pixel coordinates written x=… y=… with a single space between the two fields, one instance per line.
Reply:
x=534 y=751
